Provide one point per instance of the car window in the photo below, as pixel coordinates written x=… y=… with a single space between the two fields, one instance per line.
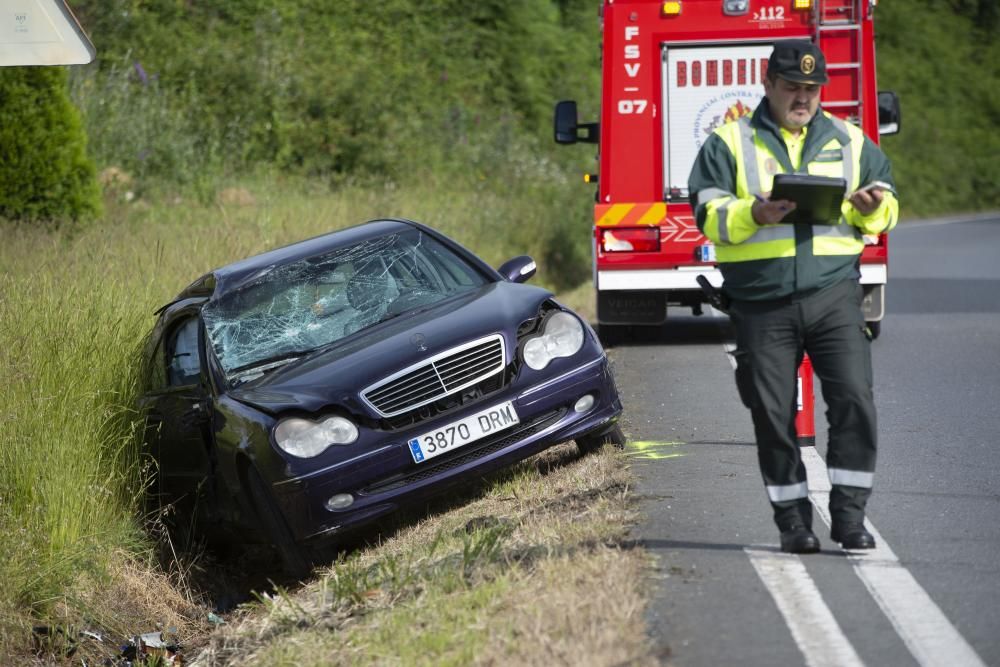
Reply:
x=298 y=307
x=183 y=357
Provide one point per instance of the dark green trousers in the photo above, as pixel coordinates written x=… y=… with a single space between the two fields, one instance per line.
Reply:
x=771 y=337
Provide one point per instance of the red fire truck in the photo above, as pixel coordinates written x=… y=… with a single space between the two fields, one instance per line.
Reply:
x=672 y=72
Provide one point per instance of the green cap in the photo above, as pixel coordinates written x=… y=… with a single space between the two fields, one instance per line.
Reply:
x=799 y=61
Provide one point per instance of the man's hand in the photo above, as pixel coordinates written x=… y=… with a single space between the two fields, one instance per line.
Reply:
x=866 y=201
x=767 y=212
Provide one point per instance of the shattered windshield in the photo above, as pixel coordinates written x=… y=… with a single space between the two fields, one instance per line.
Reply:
x=293 y=309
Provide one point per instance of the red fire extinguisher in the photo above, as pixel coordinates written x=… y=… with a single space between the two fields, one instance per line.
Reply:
x=805 y=421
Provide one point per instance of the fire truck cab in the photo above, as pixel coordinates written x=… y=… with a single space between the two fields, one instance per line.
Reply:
x=671 y=73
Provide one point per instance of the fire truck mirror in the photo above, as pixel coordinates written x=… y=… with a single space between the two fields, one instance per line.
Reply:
x=567 y=127
x=889 y=118
x=566 y=122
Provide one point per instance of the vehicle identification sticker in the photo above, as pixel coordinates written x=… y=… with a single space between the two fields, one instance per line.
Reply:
x=464 y=431
x=770 y=17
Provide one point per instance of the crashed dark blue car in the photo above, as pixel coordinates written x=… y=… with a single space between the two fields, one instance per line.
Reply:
x=307 y=390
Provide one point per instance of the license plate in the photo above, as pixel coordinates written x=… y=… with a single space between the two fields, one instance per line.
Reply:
x=705 y=253
x=462 y=432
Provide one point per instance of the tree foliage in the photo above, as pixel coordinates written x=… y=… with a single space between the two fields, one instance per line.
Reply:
x=946 y=69
x=444 y=89
x=348 y=87
x=45 y=173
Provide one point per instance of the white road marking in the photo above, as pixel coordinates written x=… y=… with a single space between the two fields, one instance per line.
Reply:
x=812 y=624
x=919 y=622
x=815 y=630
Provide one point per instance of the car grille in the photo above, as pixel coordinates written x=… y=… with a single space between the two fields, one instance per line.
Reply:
x=439 y=376
x=466 y=454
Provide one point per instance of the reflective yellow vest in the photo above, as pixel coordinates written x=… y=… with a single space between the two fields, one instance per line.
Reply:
x=759 y=261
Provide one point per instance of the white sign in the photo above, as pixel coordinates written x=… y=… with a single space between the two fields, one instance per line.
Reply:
x=464 y=431
x=705 y=87
x=41 y=32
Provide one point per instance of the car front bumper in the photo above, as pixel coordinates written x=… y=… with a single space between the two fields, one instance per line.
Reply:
x=386 y=478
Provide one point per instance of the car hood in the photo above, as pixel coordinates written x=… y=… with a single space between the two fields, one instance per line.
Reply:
x=337 y=375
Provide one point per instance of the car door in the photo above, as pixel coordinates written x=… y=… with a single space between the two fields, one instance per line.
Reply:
x=178 y=411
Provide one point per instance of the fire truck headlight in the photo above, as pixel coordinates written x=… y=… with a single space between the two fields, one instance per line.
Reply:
x=802 y=4
x=562 y=336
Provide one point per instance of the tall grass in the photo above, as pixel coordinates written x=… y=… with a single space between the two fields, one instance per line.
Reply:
x=69 y=475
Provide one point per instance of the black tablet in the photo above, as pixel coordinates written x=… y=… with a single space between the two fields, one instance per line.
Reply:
x=817 y=198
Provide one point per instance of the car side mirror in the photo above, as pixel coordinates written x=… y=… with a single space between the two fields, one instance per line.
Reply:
x=519 y=269
x=889 y=118
x=567 y=127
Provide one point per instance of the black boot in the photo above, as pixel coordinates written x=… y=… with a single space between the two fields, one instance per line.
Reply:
x=852 y=535
x=799 y=540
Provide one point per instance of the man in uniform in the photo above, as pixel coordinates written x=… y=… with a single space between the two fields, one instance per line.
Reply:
x=794 y=287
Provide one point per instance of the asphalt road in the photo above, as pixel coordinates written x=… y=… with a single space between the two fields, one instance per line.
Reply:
x=723 y=594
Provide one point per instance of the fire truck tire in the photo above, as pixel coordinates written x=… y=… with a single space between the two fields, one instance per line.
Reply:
x=874 y=329
x=594 y=442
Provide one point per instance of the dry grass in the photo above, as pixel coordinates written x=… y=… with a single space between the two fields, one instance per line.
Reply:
x=530 y=571
x=129 y=597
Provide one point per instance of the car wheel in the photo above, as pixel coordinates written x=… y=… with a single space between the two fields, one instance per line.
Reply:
x=293 y=556
x=592 y=442
x=874 y=329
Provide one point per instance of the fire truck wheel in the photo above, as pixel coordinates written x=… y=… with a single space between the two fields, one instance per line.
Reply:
x=874 y=329
x=593 y=442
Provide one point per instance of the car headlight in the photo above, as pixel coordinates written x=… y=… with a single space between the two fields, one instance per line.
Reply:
x=306 y=438
x=562 y=336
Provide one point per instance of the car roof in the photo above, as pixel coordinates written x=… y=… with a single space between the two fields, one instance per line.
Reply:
x=231 y=276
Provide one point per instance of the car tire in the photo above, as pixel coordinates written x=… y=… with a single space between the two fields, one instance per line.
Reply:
x=293 y=557
x=593 y=442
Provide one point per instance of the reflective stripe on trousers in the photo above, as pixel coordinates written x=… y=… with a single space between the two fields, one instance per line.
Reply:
x=779 y=494
x=858 y=478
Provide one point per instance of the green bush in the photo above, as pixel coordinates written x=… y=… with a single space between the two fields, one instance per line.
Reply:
x=45 y=173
